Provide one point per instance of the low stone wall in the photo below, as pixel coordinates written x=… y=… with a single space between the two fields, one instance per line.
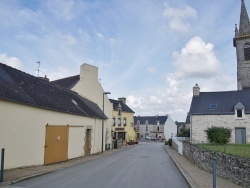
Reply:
x=233 y=168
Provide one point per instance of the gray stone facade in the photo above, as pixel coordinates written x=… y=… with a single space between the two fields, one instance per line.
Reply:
x=202 y=122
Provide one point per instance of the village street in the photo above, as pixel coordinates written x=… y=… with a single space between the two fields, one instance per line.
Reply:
x=140 y=166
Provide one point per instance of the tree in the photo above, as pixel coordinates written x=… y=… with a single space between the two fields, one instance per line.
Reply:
x=218 y=135
x=184 y=133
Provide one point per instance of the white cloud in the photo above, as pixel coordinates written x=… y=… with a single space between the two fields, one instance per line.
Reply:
x=134 y=102
x=196 y=59
x=100 y=35
x=151 y=70
x=179 y=18
x=11 y=61
x=68 y=38
x=84 y=36
x=60 y=72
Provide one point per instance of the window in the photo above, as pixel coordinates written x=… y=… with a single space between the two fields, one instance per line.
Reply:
x=213 y=106
x=119 y=112
x=138 y=122
x=239 y=113
x=114 y=121
x=146 y=128
x=158 y=128
x=247 y=51
x=119 y=121
x=239 y=110
x=124 y=122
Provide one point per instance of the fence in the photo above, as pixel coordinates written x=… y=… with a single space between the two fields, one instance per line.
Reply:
x=177 y=143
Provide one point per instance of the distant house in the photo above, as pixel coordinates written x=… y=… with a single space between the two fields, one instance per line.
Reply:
x=223 y=109
x=123 y=118
x=160 y=127
x=180 y=126
x=88 y=86
x=43 y=123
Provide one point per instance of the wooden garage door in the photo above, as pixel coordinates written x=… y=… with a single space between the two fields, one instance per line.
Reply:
x=56 y=144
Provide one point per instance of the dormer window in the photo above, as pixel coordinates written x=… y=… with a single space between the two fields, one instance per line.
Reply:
x=239 y=110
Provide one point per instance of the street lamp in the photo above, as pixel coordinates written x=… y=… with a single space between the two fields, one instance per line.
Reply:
x=104 y=93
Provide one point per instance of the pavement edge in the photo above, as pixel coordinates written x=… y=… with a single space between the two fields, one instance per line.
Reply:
x=188 y=178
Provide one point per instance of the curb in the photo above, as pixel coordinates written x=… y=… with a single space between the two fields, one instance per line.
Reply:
x=188 y=178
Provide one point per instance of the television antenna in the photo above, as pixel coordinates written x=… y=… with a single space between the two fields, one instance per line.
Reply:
x=38 y=69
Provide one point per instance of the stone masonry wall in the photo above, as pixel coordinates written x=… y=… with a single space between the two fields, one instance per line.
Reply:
x=233 y=168
x=202 y=122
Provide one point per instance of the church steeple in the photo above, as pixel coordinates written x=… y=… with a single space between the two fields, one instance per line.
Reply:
x=241 y=42
x=244 y=28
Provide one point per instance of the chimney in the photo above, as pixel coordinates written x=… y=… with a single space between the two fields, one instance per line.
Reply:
x=196 y=90
x=89 y=72
x=122 y=99
x=44 y=78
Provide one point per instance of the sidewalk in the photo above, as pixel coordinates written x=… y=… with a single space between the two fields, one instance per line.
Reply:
x=17 y=174
x=195 y=176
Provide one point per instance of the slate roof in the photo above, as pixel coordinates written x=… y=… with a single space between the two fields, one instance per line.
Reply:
x=124 y=107
x=152 y=120
x=68 y=82
x=17 y=86
x=208 y=103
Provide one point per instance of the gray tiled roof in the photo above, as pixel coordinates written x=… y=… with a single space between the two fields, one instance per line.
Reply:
x=20 y=87
x=68 y=82
x=219 y=102
x=152 y=120
x=124 y=107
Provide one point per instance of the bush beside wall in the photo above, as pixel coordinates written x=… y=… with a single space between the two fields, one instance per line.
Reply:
x=233 y=168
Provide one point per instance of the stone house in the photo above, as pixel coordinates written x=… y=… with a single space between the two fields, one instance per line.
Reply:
x=159 y=127
x=226 y=108
x=88 y=86
x=43 y=123
x=223 y=109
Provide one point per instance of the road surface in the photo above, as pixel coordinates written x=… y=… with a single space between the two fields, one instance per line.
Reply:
x=144 y=165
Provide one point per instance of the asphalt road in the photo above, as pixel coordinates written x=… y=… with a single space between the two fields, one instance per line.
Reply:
x=141 y=166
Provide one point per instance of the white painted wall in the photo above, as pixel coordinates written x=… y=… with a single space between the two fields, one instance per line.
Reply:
x=22 y=133
x=90 y=87
x=201 y=122
x=170 y=128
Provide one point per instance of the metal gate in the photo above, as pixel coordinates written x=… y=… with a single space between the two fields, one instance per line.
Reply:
x=56 y=144
x=240 y=135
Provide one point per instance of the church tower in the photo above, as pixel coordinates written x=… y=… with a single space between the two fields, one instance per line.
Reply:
x=242 y=43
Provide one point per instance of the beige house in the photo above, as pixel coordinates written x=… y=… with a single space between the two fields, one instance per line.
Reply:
x=123 y=118
x=88 y=86
x=43 y=123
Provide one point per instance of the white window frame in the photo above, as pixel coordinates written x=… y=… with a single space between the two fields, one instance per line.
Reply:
x=236 y=114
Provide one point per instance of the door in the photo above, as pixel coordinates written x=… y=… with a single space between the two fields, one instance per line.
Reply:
x=56 y=144
x=240 y=135
x=87 y=147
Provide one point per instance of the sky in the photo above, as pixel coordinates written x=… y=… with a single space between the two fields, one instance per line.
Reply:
x=152 y=52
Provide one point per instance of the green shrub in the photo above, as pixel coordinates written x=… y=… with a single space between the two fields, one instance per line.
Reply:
x=218 y=135
x=170 y=141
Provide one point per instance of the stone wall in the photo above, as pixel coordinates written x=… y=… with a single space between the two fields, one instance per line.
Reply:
x=233 y=168
x=202 y=122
